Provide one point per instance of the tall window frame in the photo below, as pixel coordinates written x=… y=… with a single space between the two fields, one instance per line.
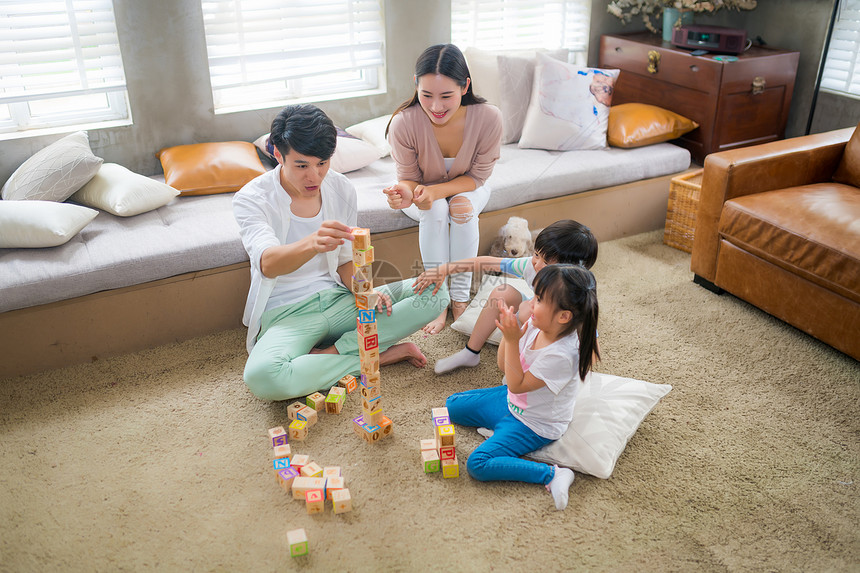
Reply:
x=266 y=53
x=60 y=67
x=522 y=25
x=841 y=73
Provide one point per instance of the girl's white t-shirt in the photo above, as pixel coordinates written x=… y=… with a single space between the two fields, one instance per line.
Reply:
x=548 y=410
x=310 y=278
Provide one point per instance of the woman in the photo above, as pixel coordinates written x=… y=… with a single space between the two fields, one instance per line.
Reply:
x=445 y=141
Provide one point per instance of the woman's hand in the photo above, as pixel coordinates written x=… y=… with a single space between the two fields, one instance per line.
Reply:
x=507 y=323
x=430 y=277
x=422 y=197
x=399 y=196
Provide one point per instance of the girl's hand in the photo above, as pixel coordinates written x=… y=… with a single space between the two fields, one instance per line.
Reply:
x=430 y=277
x=399 y=196
x=507 y=323
x=422 y=198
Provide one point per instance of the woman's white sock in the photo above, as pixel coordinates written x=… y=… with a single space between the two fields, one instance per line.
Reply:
x=559 y=485
x=464 y=358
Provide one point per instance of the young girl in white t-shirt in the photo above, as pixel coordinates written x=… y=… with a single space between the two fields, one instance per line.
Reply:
x=544 y=363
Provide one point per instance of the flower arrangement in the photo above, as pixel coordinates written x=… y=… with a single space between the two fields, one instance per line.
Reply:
x=626 y=9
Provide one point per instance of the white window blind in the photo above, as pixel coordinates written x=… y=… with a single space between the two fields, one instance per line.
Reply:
x=521 y=24
x=842 y=68
x=264 y=53
x=60 y=64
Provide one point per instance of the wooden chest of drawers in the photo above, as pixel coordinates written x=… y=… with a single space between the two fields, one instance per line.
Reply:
x=740 y=103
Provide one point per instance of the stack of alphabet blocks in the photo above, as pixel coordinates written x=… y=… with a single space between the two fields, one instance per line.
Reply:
x=371 y=425
x=440 y=451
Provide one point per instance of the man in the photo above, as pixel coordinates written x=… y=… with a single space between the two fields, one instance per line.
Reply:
x=296 y=223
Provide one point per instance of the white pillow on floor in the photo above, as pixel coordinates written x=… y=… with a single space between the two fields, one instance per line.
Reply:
x=607 y=413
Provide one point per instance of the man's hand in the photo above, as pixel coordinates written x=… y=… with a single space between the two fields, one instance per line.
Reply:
x=330 y=236
x=399 y=196
x=383 y=303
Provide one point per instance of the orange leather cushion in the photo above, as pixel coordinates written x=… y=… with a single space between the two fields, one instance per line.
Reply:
x=638 y=124
x=848 y=171
x=209 y=168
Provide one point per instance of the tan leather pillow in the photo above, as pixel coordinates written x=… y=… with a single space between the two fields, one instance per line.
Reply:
x=209 y=168
x=638 y=124
x=848 y=171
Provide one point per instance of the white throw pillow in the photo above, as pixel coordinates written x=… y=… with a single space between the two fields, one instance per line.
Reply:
x=569 y=108
x=505 y=79
x=373 y=132
x=121 y=192
x=608 y=411
x=465 y=323
x=350 y=154
x=35 y=224
x=55 y=172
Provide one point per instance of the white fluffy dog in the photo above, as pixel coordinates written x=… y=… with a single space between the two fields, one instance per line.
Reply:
x=514 y=240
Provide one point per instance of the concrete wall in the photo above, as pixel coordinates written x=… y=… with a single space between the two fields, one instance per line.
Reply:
x=164 y=54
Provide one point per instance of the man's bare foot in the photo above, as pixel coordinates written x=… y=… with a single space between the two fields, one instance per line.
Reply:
x=458 y=308
x=403 y=351
x=436 y=325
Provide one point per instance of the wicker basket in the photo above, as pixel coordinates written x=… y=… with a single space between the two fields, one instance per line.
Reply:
x=681 y=213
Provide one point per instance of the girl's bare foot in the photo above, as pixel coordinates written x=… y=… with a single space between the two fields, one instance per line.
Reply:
x=403 y=351
x=435 y=326
x=458 y=308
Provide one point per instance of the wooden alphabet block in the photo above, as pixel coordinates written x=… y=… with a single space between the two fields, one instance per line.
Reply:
x=333 y=484
x=361 y=258
x=302 y=485
x=362 y=238
x=348 y=382
x=371 y=417
x=308 y=415
x=280 y=452
x=313 y=469
x=429 y=444
x=298 y=542
x=365 y=328
x=450 y=468
x=341 y=501
x=337 y=390
x=359 y=286
x=370 y=393
x=315 y=401
x=445 y=435
x=386 y=425
x=293 y=408
x=430 y=461
x=370 y=379
x=441 y=421
x=331 y=471
x=314 y=501
x=278 y=435
x=441 y=411
x=334 y=403
x=281 y=464
x=370 y=361
x=299 y=461
x=286 y=477
x=367 y=300
x=366 y=316
x=371 y=404
x=447 y=453
x=298 y=430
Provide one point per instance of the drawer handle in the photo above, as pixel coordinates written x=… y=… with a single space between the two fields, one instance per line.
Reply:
x=694 y=68
x=653 y=61
x=758 y=85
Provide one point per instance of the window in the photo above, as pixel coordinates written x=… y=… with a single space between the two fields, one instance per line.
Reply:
x=60 y=65
x=264 y=53
x=522 y=24
x=842 y=68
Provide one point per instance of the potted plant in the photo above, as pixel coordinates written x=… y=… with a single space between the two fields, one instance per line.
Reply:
x=672 y=11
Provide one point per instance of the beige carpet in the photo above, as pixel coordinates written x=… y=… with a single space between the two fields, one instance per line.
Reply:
x=159 y=460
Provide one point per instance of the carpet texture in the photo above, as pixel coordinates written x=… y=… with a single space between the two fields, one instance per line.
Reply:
x=159 y=461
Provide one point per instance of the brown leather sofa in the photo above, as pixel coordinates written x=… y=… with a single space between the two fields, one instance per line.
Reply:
x=778 y=226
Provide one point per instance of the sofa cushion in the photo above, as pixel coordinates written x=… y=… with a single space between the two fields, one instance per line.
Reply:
x=848 y=171
x=208 y=168
x=811 y=230
x=638 y=124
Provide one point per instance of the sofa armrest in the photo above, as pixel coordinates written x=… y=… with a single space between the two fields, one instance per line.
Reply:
x=776 y=165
